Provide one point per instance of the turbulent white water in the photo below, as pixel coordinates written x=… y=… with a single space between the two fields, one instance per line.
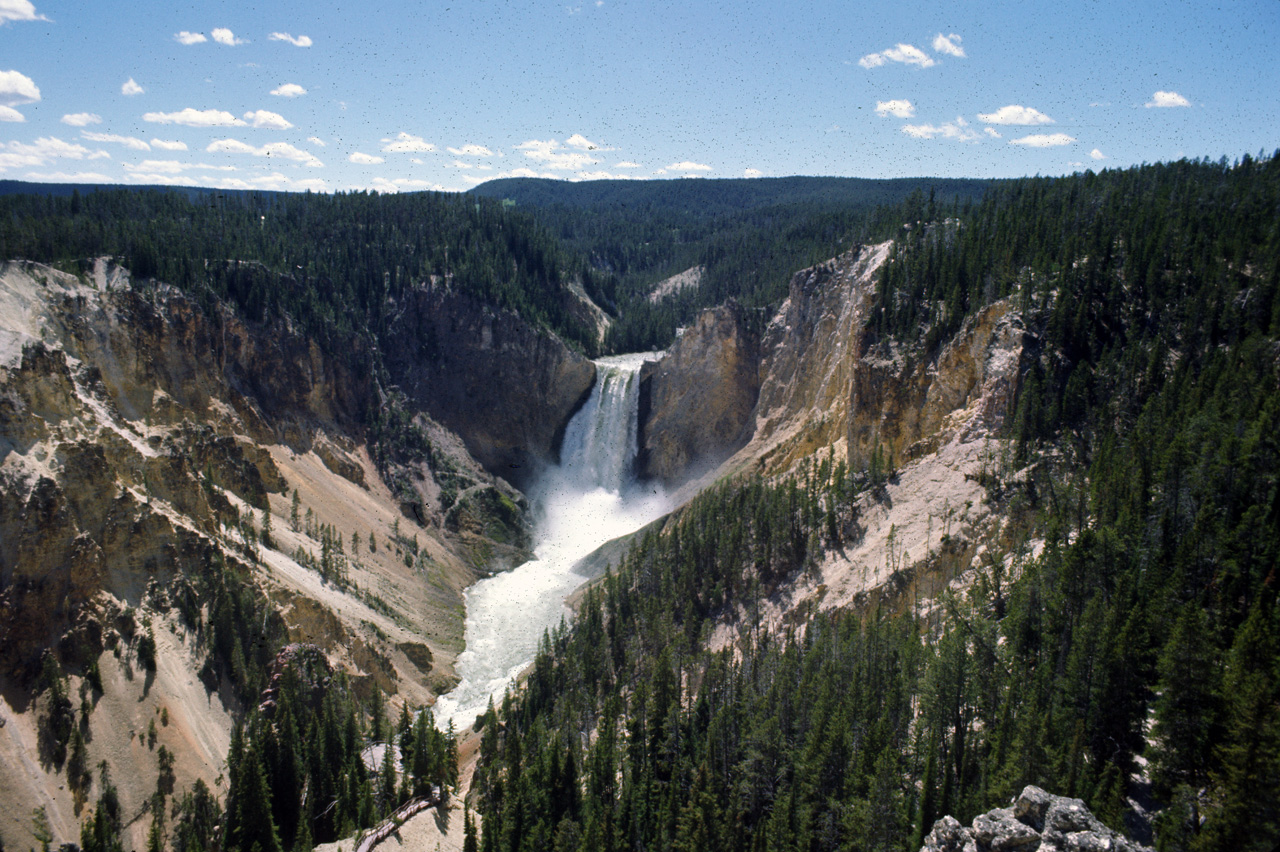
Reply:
x=580 y=505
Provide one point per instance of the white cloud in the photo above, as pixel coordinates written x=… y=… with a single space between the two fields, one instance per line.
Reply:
x=300 y=41
x=582 y=143
x=268 y=120
x=992 y=132
x=1097 y=155
x=17 y=88
x=949 y=45
x=549 y=155
x=471 y=151
x=1044 y=140
x=521 y=172
x=753 y=173
x=1014 y=114
x=627 y=164
x=688 y=166
x=406 y=143
x=316 y=140
x=278 y=150
x=11 y=114
x=146 y=178
x=1167 y=99
x=602 y=175
x=81 y=119
x=129 y=87
x=195 y=118
x=275 y=180
x=18 y=10
x=288 y=90
x=166 y=145
x=907 y=54
x=365 y=159
x=405 y=185
x=958 y=130
x=189 y=38
x=64 y=177
x=222 y=35
x=127 y=141
x=172 y=167
x=899 y=108
x=44 y=149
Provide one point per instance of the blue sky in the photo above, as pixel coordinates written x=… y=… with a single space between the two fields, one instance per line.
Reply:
x=445 y=94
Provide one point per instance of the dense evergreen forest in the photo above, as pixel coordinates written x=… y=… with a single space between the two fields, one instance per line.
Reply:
x=748 y=236
x=1138 y=657
x=334 y=264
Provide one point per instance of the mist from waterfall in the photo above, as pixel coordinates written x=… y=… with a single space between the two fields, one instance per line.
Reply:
x=586 y=501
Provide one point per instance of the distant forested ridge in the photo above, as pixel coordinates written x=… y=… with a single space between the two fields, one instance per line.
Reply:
x=749 y=235
x=1137 y=658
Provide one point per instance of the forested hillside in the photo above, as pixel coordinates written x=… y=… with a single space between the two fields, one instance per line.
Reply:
x=1135 y=663
x=335 y=264
x=747 y=235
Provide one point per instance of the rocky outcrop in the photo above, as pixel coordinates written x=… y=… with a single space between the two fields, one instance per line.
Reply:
x=907 y=404
x=696 y=403
x=507 y=388
x=1036 y=821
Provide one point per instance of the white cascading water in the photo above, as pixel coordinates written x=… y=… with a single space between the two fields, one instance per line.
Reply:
x=590 y=499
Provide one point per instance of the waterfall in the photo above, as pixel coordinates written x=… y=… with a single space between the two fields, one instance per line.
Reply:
x=586 y=501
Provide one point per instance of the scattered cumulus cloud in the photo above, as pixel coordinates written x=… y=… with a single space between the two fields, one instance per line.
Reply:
x=289 y=90
x=172 y=167
x=550 y=155
x=627 y=164
x=582 y=143
x=907 y=54
x=222 y=35
x=300 y=41
x=1014 y=114
x=1044 y=140
x=405 y=185
x=1097 y=155
x=603 y=175
x=17 y=88
x=753 y=173
x=66 y=177
x=316 y=140
x=127 y=141
x=365 y=159
x=48 y=148
x=406 y=143
x=278 y=150
x=18 y=10
x=948 y=44
x=81 y=119
x=471 y=151
x=958 y=130
x=189 y=38
x=1167 y=99
x=268 y=120
x=992 y=132
x=898 y=108
x=272 y=181
x=130 y=87
x=687 y=166
x=195 y=118
x=168 y=145
x=11 y=114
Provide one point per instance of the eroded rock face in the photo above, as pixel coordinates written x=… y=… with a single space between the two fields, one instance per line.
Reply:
x=1036 y=821
x=696 y=403
x=507 y=388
